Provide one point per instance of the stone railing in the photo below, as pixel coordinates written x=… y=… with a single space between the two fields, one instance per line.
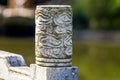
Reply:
x=53 y=48
x=13 y=67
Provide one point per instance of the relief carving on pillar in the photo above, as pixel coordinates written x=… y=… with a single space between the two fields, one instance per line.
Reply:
x=53 y=32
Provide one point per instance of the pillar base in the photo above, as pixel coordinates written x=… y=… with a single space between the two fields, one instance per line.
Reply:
x=55 y=73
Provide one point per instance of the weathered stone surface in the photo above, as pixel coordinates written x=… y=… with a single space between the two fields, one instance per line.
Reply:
x=19 y=73
x=53 y=37
x=12 y=59
x=33 y=71
x=56 y=73
x=13 y=67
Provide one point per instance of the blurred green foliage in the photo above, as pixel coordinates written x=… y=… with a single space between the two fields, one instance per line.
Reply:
x=100 y=14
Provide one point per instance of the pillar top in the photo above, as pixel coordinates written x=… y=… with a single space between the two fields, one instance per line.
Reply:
x=39 y=6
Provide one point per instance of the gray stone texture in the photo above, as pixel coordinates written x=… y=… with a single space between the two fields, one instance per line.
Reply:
x=53 y=35
x=13 y=67
x=56 y=73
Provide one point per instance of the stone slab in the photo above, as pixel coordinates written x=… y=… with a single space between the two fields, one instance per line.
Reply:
x=56 y=73
x=12 y=65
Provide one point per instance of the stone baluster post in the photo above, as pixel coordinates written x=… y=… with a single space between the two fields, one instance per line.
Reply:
x=53 y=43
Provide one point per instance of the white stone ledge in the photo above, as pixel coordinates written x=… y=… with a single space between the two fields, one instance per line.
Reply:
x=13 y=67
x=21 y=70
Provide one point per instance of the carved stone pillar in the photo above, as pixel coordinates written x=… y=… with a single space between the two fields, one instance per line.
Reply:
x=53 y=42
